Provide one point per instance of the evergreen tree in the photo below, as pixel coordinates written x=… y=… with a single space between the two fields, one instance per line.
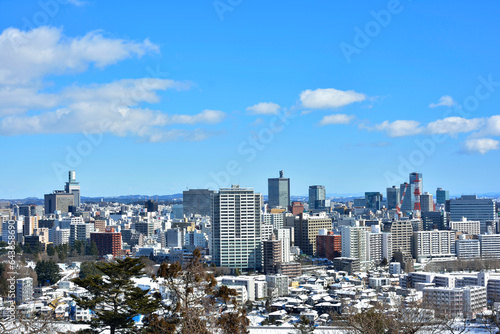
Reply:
x=114 y=297
x=47 y=272
x=50 y=250
x=89 y=269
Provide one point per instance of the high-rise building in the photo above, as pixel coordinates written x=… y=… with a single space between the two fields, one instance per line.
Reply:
x=378 y=245
x=317 y=197
x=58 y=201
x=80 y=231
x=24 y=290
x=402 y=232
x=297 y=208
x=426 y=202
x=490 y=244
x=407 y=192
x=145 y=227
x=61 y=236
x=109 y=242
x=272 y=254
x=306 y=228
x=442 y=196
x=236 y=235
x=279 y=192
x=418 y=185
x=434 y=220
x=197 y=201
x=174 y=237
x=373 y=200
x=473 y=208
x=427 y=244
x=466 y=226
x=329 y=246
x=354 y=242
x=151 y=205
x=73 y=187
x=393 y=197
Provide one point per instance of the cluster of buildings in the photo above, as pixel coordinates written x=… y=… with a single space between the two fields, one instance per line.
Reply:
x=235 y=228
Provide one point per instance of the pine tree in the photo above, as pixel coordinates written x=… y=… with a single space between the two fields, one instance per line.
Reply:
x=114 y=297
x=47 y=272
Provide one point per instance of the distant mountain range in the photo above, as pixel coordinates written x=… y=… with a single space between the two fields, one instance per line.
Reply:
x=178 y=198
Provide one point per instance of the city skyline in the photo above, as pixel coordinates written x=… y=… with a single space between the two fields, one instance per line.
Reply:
x=159 y=98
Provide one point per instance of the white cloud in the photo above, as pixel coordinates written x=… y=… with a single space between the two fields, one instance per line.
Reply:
x=113 y=108
x=454 y=125
x=27 y=56
x=444 y=101
x=206 y=116
x=336 y=119
x=329 y=98
x=480 y=145
x=491 y=127
x=400 y=128
x=264 y=108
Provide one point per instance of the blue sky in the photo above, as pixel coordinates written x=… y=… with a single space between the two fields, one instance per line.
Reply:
x=168 y=95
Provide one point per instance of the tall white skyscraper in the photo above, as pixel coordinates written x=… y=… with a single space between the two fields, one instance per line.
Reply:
x=236 y=235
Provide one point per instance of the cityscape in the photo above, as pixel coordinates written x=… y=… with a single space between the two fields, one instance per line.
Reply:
x=303 y=265
x=249 y=167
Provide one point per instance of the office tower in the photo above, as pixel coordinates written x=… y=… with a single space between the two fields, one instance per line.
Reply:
x=109 y=242
x=329 y=245
x=30 y=224
x=317 y=197
x=151 y=205
x=306 y=228
x=175 y=237
x=434 y=220
x=30 y=210
x=428 y=244
x=359 y=202
x=279 y=192
x=145 y=228
x=272 y=254
x=354 y=242
x=417 y=182
x=58 y=201
x=236 y=235
x=472 y=208
x=393 y=197
x=73 y=187
x=426 y=202
x=373 y=200
x=407 y=192
x=197 y=201
x=80 y=231
x=402 y=232
x=442 y=196
x=466 y=226
x=178 y=211
x=12 y=231
x=24 y=290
